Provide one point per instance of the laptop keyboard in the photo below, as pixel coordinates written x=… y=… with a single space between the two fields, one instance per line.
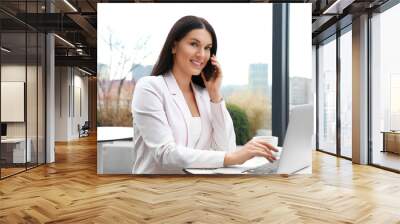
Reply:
x=265 y=169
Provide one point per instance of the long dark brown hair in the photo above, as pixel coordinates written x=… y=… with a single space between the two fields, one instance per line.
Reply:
x=178 y=31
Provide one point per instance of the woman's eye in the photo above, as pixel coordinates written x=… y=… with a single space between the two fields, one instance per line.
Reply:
x=194 y=44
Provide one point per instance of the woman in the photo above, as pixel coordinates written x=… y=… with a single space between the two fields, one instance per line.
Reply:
x=180 y=118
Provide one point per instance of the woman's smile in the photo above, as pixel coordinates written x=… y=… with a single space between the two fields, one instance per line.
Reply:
x=197 y=63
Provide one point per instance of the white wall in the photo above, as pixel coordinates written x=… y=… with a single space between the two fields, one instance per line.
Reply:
x=71 y=87
x=61 y=103
x=15 y=73
x=33 y=125
x=80 y=89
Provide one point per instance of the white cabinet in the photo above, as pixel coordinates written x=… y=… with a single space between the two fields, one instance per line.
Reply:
x=18 y=149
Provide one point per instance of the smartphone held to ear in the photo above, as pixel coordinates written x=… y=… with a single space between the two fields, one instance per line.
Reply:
x=209 y=70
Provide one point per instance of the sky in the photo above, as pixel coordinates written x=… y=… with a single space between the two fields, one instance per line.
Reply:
x=244 y=33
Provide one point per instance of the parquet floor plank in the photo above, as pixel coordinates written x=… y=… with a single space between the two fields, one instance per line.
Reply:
x=70 y=191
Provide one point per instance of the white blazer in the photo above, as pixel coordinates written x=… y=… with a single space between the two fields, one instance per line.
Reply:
x=161 y=119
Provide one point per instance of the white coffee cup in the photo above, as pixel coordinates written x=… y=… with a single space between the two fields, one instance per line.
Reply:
x=272 y=140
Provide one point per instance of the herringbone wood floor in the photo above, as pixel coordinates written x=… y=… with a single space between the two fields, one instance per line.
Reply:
x=70 y=191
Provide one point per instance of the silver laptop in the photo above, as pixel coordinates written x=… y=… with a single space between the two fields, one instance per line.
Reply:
x=297 y=148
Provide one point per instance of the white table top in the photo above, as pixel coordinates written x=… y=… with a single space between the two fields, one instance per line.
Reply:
x=240 y=169
x=13 y=140
x=114 y=133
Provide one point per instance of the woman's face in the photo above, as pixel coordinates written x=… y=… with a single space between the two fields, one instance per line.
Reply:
x=192 y=52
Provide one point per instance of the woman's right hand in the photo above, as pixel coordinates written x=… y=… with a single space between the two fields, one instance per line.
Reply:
x=251 y=149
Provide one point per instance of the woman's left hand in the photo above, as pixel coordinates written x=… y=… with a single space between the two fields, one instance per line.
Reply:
x=214 y=84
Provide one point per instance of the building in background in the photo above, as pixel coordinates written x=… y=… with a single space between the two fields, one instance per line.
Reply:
x=258 y=78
